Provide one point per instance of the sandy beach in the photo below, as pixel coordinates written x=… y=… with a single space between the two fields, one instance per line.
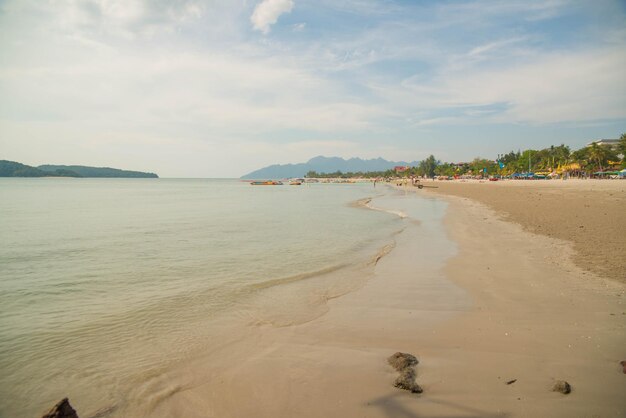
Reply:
x=588 y=213
x=503 y=305
x=538 y=316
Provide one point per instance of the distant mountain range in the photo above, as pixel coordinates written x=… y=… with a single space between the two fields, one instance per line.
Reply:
x=14 y=169
x=324 y=165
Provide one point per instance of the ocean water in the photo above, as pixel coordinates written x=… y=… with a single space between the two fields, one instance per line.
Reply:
x=104 y=282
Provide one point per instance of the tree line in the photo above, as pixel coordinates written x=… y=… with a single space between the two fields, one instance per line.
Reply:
x=589 y=159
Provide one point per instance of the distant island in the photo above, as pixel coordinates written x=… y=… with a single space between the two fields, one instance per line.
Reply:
x=322 y=164
x=15 y=169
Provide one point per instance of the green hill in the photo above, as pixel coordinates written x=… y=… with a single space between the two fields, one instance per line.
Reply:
x=15 y=169
x=107 y=172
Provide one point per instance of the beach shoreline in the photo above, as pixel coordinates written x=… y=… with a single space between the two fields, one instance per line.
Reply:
x=480 y=300
x=506 y=305
x=332 y=364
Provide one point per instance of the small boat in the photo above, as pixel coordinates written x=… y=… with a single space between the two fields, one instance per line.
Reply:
x=296 y=182
x=266 y=183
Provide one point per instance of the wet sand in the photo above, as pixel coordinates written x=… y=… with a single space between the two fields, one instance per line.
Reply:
x=481 y=304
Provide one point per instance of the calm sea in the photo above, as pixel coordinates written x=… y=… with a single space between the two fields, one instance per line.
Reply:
x=102 y=280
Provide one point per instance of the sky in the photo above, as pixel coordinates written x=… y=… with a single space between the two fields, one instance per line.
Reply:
x=218 y=88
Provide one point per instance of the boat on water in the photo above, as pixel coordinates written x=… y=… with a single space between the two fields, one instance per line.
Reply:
x=266 y=183
x=296 y=182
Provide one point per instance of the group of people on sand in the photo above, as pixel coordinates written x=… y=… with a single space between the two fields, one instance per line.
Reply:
x=415 y=181
x=405 y=181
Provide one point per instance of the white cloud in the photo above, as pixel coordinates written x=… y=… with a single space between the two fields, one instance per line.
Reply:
x=100 y=81
x=494 y=46
x=298 y=27
x=550 y=88
x=362 y=7
x=531 y=10
x=125 y=11
x=267 y=13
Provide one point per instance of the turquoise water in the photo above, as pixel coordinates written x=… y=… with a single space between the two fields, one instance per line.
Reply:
x=101 y=278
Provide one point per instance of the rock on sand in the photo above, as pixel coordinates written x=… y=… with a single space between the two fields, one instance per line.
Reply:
x=62 y=410
x=404 y=363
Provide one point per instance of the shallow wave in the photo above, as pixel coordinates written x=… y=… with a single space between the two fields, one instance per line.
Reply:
x=366 y=204
x=296 y=277
x=361 y=203
x=383 y=252
x=397 y=213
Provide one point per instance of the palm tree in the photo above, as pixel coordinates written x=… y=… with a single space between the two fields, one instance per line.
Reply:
x=621 y=148
x=581 y=157
x=598 y=154
x=562 y=154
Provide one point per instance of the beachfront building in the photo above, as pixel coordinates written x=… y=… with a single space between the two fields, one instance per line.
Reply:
x=461 y=166
x=608 y=143
x=400 y=168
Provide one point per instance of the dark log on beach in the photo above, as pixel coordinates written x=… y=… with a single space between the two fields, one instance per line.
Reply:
x=562 y=386
x=62 y=410
x=623 y=363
